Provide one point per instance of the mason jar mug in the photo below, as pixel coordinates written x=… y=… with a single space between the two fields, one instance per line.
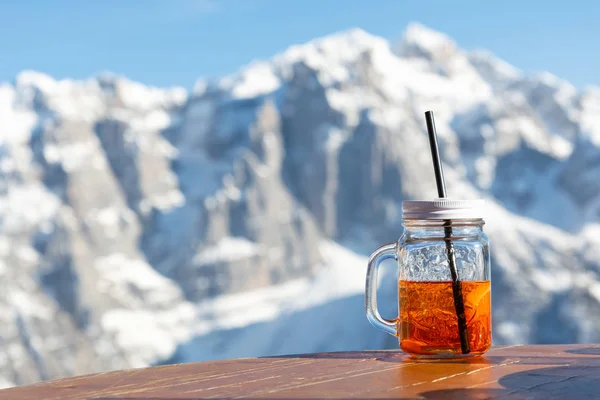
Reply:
x=444 y=287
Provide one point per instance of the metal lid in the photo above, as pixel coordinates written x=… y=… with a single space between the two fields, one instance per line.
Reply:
x=443 y=209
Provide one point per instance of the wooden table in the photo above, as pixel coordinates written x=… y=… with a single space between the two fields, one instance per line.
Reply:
x=520 y=372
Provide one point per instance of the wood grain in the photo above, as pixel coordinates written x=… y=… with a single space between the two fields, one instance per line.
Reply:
x=515 y=372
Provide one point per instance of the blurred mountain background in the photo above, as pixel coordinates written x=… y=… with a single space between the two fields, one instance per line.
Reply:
x=142 y=225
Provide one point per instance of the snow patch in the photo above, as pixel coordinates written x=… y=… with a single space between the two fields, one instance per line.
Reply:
x=148 y=336
x=255 y=80
x=341 y=275
x=24 y=207
x=228 y=249
x=38 y=80
x=140 y=97
x=163 y=201
x=72 y=156
x=29 y=306
x=122 y=270
x=425 y=38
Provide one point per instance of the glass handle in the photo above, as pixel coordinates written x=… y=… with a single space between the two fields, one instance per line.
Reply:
x=383 y=253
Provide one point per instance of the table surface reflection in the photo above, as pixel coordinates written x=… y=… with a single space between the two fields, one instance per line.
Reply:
x=532 y=372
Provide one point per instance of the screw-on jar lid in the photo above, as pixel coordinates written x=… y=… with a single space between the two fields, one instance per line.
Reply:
x=443 y=209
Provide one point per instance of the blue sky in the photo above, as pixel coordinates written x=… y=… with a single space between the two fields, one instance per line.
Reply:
x=173 y=42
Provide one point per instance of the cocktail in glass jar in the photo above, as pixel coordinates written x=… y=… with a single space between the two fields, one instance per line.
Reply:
x=439 y=315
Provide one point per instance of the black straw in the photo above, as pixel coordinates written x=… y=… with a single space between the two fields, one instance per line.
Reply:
x=441 y=188
x=435 y=154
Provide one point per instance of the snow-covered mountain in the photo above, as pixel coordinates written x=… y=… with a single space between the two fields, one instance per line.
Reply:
x=141 y=225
